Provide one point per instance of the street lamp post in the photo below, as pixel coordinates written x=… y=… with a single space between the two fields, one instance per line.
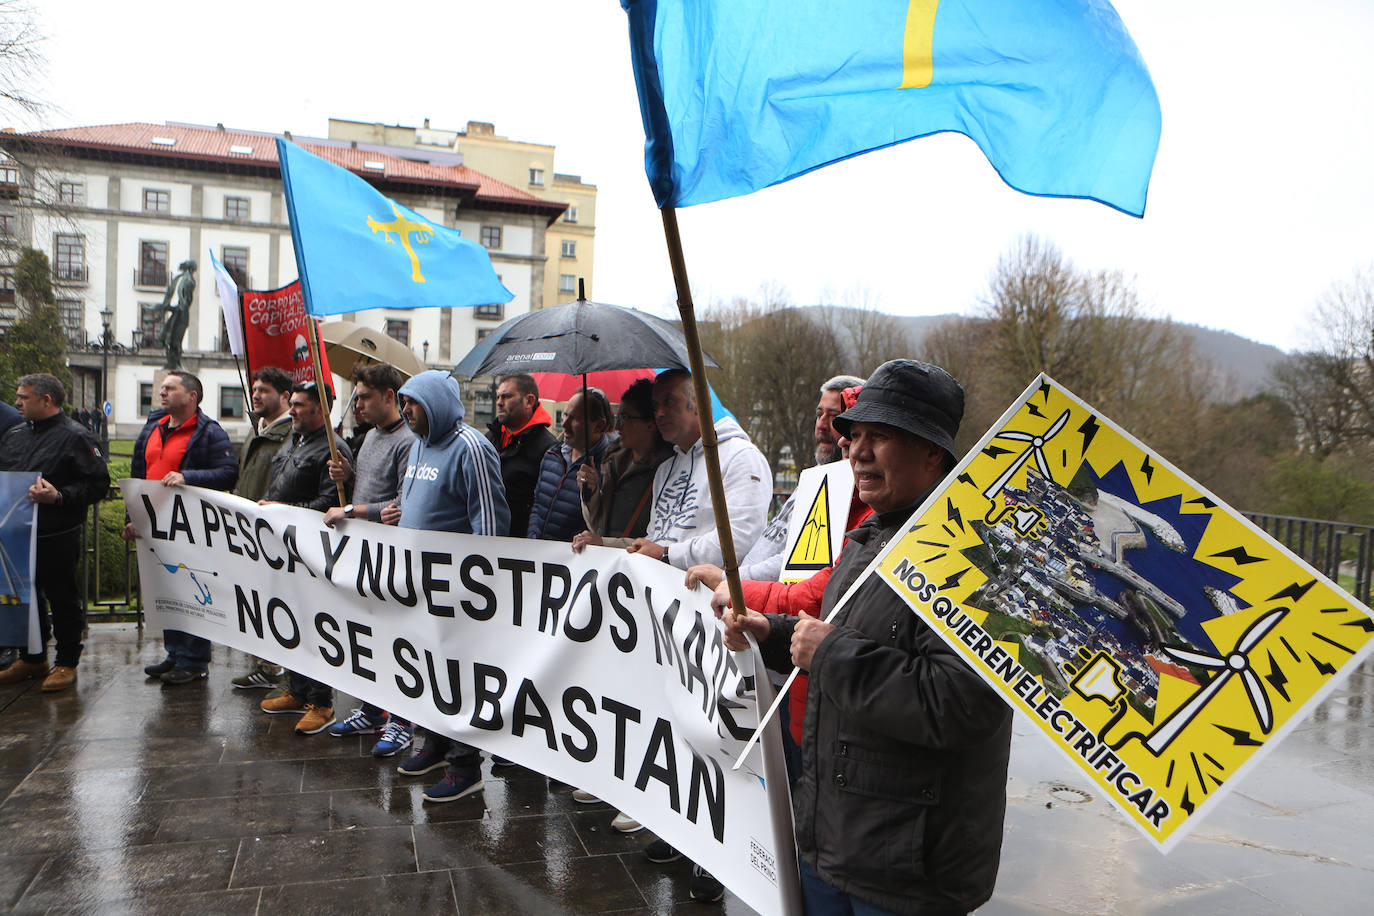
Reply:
x=105 y=338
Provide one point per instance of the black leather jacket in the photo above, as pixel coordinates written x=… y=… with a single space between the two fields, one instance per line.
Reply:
x=300 y=472
x=68 y=457
x=905 y=749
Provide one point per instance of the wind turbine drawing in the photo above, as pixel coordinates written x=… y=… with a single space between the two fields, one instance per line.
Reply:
x=1025 y=517
x=1236 y=662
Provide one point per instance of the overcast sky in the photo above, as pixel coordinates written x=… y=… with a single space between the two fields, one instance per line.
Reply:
x=1262 y=194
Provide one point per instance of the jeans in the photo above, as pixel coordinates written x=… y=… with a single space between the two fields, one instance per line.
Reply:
x=464 y=760
x=309 y=691
x=187 y=651
x=820 y=899
x=60 y=613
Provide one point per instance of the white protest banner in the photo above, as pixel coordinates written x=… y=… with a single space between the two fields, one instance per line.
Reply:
x=1153 y=634
x=599 y=669
x=815 y=532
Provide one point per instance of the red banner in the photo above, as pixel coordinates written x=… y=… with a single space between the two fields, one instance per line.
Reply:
x=274 y=329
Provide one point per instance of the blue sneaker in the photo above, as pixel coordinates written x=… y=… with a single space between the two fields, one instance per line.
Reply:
x=421 y=763
x=360 y=723
x=396 y=738
x=453 y=787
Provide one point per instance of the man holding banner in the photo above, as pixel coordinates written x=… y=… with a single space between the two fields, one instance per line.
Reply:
x=905 y=749
x=452 y=483
x=70 y=476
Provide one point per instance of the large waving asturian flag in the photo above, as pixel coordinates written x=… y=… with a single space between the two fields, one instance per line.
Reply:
x=358 y=249
x=737 y=96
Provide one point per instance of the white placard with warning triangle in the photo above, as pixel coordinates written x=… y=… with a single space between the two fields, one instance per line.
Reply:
x=816 y=531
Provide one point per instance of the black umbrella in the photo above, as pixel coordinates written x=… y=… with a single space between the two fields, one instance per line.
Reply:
x=578 y=337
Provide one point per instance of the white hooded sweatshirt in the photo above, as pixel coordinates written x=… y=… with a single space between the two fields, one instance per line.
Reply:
x=682 y=515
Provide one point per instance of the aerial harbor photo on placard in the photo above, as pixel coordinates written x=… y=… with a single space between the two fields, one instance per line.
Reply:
x=1152 y=633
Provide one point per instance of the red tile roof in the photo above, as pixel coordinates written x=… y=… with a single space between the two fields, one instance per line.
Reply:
x=212 y=144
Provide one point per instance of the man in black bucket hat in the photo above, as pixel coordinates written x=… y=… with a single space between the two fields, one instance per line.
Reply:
x=904 y=748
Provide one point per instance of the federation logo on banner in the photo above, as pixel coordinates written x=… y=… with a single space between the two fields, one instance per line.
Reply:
x=275 y=326
x=1157 y=637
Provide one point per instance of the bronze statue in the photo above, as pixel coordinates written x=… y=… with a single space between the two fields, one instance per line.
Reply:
x=183 y=285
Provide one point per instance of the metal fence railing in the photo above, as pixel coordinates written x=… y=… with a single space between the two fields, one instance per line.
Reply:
x=108 y=570
x=1342 y=552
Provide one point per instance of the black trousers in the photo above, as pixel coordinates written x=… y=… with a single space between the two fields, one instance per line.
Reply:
x=310 y=691
x=60 y=613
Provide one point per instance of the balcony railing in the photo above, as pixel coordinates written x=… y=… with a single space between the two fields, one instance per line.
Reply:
x=151 y=276
x=70 y=273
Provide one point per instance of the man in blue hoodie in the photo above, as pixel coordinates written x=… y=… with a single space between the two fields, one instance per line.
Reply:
x=452 y=483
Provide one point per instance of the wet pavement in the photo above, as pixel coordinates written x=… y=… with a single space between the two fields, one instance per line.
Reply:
x=126 y=797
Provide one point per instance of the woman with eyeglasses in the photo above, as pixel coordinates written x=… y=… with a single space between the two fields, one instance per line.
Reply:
x=615 y=503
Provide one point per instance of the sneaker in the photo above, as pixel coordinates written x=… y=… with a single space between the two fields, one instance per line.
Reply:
x=583 y=797
x=360 y=723
x=20 y=671
x=704 y=887
x=660 y=853
x=623 y=823
x=160 y=668
x=397 y=737
x=420 y=763
x=62 y=677
x=453 y=787
x=178 y=676
x=257 y=679
x=280 y=704
x=315 y=720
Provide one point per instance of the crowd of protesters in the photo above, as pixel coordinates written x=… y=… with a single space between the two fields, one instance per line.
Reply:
x=880 y=682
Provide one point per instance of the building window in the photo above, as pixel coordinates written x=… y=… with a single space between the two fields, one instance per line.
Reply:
x=72 y=312
x=482 y=333
x=9 y=174
x=71 y=192
x=145 y=398
x=152 y=263
x=150 y=316
x=156 y=201
x=6 y=289
x=8 y=223
x=491 y=312
x=537 y=177
x=567 y=283
x=398 y=328
x=491 y=236
x=235 y=261
x=570 y=214
x=230 y=403
x=569 y=248
x=236 y=208
x=70 y=263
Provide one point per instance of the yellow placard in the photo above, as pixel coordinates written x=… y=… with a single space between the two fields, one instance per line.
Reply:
x=1156 y=636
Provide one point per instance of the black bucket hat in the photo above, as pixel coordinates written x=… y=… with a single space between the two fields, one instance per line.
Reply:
x=922 y=399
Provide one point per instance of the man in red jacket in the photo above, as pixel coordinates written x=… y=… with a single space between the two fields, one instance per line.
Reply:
x=181 y=445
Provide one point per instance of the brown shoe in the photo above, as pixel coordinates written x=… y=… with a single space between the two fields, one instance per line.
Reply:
x=316 y=719
x=284 y=703
x=61 y=678
x=20 y=671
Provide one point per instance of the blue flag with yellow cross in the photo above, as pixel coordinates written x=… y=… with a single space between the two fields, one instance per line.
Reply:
x=736 y=96
x=358 y=249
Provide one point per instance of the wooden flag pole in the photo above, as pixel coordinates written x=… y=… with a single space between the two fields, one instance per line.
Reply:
x=322 y=389
x=704 y=415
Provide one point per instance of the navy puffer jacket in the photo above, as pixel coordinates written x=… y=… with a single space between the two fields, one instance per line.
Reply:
x=557 y=511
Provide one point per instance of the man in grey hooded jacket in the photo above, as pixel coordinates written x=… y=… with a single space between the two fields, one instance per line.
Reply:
x=452 y=482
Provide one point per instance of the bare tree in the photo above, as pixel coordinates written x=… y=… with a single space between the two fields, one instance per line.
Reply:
x=22 y=64
x=869 y=335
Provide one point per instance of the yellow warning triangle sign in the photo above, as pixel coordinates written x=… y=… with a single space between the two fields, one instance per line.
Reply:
x=812 y=550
